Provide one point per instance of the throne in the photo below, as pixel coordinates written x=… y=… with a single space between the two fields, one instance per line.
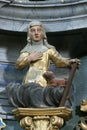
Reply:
x=46 y=118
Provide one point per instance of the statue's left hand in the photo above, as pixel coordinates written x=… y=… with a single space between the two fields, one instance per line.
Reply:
x=71 y=61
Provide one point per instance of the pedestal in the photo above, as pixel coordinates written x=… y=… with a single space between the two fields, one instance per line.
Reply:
x=42 y=118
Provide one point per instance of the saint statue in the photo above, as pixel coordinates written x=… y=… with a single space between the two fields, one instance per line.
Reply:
x=37 y=54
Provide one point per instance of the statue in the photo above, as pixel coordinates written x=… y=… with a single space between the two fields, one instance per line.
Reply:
x=34 y=91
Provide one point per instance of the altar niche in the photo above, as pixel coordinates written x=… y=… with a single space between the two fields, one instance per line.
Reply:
x=13 y=41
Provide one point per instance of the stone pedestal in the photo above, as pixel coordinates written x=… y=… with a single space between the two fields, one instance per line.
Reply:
x=42 y=118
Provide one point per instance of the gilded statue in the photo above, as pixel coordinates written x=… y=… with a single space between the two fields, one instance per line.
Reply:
x=37 y=55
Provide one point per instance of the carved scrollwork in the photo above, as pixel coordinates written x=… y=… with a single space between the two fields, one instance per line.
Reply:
x=57 y=122
x=26 y=123
x=83 y=106
x=42 y=123
x=83 y=124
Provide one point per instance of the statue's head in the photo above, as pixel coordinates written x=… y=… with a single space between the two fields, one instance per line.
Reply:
x=36 y=32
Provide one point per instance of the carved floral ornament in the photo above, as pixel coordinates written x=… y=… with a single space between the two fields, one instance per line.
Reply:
x=83 y=122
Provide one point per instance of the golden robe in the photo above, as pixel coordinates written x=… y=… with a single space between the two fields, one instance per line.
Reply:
x=37 y=68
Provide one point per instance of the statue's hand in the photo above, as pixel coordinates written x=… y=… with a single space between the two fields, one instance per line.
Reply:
x=71 y=61
x=35 y=56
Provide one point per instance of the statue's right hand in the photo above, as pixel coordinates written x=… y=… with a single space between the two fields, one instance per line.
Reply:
x=35 y=56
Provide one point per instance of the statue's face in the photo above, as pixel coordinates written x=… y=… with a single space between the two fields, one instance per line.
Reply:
x=36 y=33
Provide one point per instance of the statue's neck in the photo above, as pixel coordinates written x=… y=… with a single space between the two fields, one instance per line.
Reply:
x=37 y=43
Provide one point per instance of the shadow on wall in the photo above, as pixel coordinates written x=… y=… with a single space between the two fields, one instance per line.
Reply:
x=10 y=47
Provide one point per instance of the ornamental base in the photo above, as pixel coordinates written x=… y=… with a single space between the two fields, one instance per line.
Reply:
x=42 y=118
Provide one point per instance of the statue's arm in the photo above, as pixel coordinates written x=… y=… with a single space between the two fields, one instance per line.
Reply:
x=58 y=59
x=62 y=61
x=22 y=61
x=26 y=58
